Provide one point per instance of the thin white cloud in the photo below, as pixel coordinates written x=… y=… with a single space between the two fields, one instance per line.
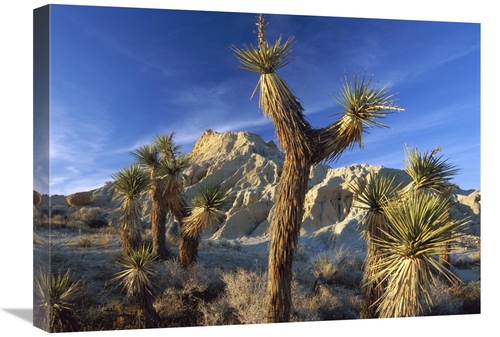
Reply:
x=436 y=58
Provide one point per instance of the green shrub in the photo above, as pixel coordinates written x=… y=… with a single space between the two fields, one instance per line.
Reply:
x=93 y=217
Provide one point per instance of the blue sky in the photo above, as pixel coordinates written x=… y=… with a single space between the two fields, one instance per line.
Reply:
x=119 y=76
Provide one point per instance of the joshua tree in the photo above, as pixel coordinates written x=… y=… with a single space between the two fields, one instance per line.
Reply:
x=304 y=147
x=419 y=226
x=210 y=205
x=173 y=162
x=136 y=278
x=370 y=193
x=130 y=183
x=148 y=156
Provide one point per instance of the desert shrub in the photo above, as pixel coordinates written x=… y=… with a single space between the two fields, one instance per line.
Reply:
x=217 y=312
x=470 y=296
x=246 y=294
x=58 y=211
x=187 y=292
x=322 y=304
x=109 y=315
x=37 y=239
x=235 y=297
x=468 y=260
x=45 y=216
x=339 y=267
x=81 y=241
x=301 y=254
x=94 y=217
x=106 y=240
x=458 y=299
x=230 y=244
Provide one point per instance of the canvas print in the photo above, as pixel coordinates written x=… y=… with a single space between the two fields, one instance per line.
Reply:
x=201 y=168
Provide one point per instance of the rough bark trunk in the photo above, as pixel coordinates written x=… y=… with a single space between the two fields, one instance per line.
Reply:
x=158 y=228
x=188 y=246
x=284 y=235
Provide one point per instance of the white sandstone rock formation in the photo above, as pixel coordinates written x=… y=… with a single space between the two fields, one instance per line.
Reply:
x=250 y=168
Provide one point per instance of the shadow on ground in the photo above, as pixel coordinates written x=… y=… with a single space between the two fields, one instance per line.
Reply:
x=25 y=314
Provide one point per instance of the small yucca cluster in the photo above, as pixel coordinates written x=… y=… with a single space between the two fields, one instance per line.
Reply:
x=54 y=296
x=136 y=277
x=405 y=229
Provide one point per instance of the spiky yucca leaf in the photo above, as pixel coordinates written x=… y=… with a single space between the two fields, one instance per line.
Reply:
x=54 y=296
x=137 y=279
x=366 y=102
x=419 y=228
x=147 y=156
x=170 y=168
x=275 y=94
x=138 y=270
x=362 y=103
x=131 y=182
x=266 y=58
x=172 y=193
x=370 y=193
x=428 y=171
x=166 y=145
x=210 y=205
x=276 y=99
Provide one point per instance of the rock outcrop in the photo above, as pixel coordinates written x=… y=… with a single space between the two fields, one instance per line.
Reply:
x=250 y=168
x=37 y=198
x=79 y=199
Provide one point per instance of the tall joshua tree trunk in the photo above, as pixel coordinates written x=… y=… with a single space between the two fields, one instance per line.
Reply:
x=158 y=220
x=284 y=236
x=304 y=147
x=188 y=246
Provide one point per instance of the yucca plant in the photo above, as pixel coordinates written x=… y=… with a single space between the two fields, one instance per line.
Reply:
x=304 y=147
x=209 y=209
x=130 y=183
x=54 y=297
x=419 y=226
x=370 y=193
x=428 y=171
x=136 y=276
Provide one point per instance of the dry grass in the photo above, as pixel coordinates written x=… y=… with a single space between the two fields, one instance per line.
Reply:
x=338 y=267
x=227 y=286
